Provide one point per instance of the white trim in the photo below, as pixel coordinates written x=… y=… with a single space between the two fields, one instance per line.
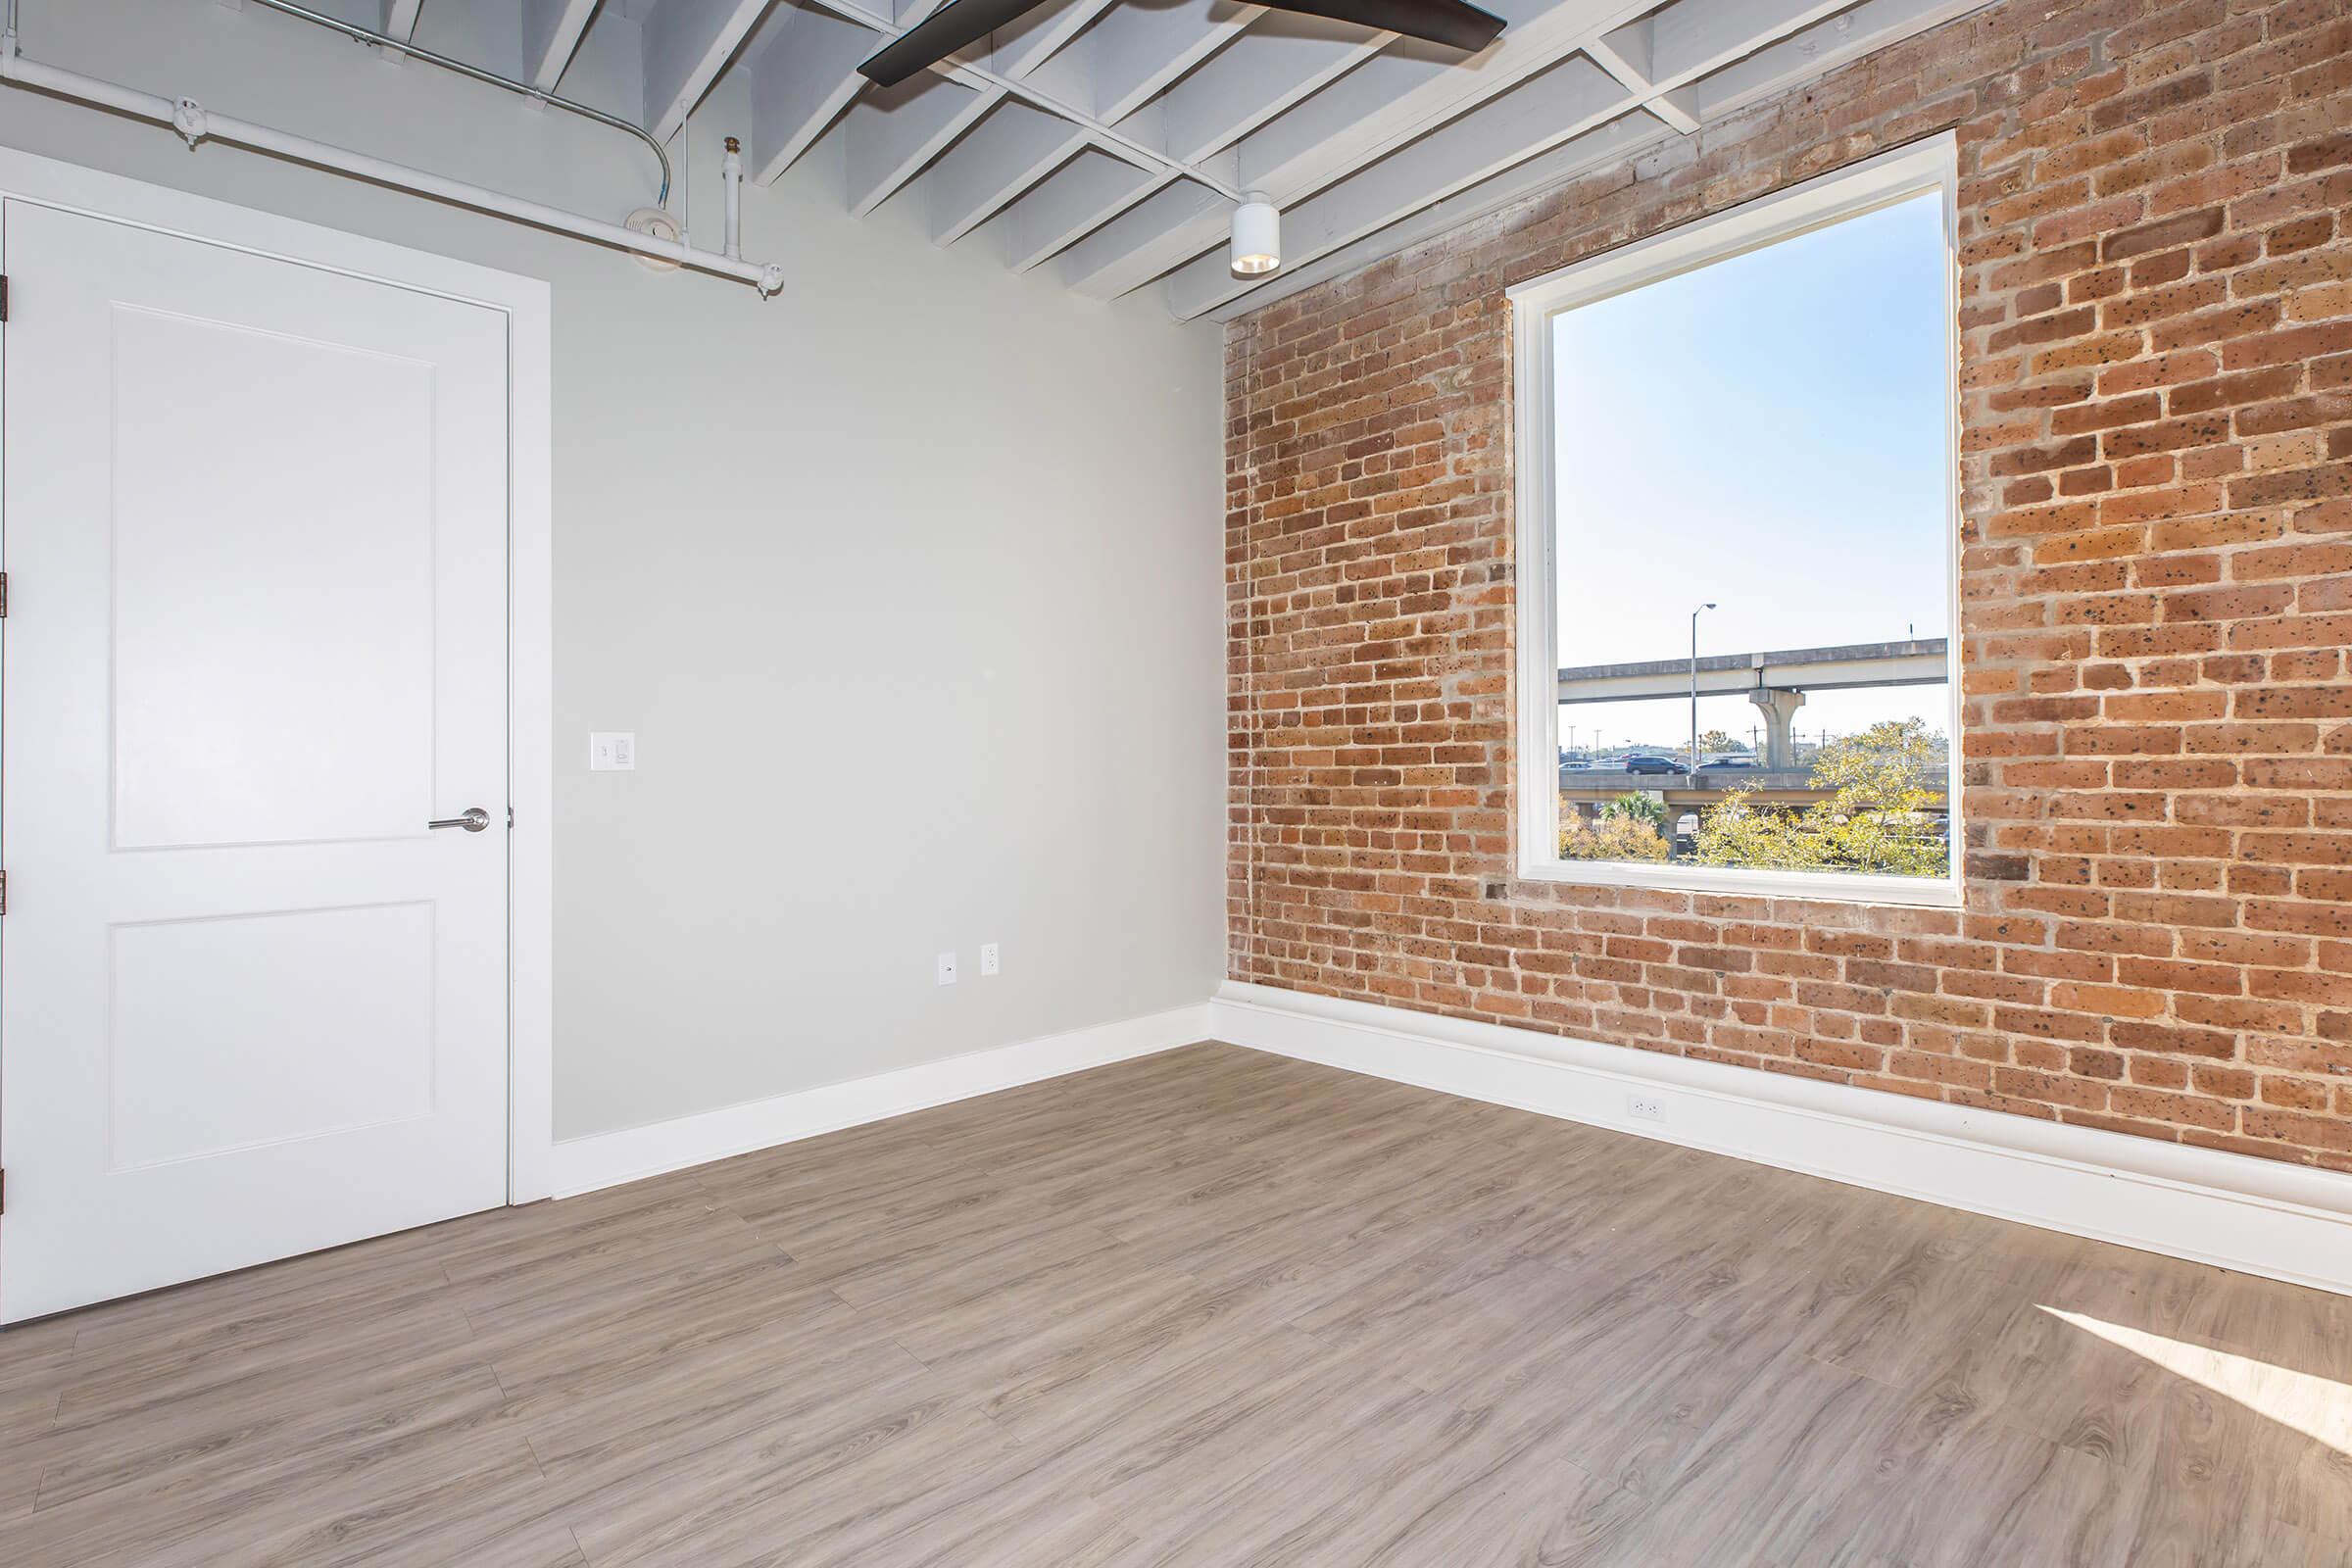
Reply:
x=528 y=308
x=2286 y=1221
x=530 y=743
x=1871 y=182
x=1931 y=164
x=630 y=1154
x=1844 y=887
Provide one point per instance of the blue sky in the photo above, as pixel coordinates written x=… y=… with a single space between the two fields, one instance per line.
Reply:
x=1767 y=432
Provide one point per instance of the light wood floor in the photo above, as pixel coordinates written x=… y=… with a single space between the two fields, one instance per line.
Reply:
x=1213 y=1307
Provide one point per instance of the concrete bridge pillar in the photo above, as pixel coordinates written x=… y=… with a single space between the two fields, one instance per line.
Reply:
x=1780 y=713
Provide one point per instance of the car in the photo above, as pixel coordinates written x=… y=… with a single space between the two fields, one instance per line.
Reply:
x=1725 y=759
x=1650 y=764
x=1575 y=767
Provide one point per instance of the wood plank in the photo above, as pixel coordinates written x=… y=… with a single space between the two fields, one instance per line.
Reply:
x=1208 y=1308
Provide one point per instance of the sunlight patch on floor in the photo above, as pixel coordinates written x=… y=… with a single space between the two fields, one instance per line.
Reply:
x=2320 y=1409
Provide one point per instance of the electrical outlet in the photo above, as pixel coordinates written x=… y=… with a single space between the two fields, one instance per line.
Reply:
x=1645 y=1107
x=947 y=969
x=988 y=957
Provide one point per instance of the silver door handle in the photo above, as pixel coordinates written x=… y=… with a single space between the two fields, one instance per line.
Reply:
x=473 y=821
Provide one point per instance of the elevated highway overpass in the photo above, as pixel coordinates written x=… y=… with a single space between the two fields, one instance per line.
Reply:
x=1776 y=681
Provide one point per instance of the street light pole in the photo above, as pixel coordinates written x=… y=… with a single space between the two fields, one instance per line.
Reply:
x=1709 y=604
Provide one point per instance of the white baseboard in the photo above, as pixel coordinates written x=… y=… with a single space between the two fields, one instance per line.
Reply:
x=607 y=1159
x=2289 y=1222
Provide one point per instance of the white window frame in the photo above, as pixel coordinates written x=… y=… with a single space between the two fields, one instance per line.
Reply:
x=1875 y=183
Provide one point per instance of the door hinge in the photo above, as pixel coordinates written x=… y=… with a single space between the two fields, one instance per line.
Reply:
x=3 y=1192
x=3 y=596
x=3 y=892
x=2 y=296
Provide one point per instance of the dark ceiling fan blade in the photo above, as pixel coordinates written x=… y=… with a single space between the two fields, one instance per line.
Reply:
x=938 y=35
x=1452 y=22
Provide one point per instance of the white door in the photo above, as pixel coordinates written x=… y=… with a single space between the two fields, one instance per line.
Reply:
x=254 y=520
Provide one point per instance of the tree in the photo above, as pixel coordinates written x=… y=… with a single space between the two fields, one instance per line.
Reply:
x=1875 y=818
x=1635 y=805
x=1611 y=836
x=1719 y=740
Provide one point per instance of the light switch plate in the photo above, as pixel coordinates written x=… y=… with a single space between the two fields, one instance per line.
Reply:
x=612 y=752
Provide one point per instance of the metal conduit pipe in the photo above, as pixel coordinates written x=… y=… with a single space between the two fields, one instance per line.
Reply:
x=385 y=41
x=196 y=123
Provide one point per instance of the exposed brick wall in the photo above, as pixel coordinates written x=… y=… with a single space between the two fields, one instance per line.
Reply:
x=2156 y=365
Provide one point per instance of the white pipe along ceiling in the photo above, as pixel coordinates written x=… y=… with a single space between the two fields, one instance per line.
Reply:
x=1111 y=143
x=194 y=122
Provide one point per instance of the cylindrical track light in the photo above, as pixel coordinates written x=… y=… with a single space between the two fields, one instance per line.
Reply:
x=1257 y=235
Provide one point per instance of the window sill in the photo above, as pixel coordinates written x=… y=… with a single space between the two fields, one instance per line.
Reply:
x=1940 y=892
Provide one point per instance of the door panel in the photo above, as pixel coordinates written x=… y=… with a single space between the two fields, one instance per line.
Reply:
x=220 y=564
x=253 y=513
x=203 y=1063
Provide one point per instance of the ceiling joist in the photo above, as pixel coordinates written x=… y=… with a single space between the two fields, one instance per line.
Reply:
x=552 y=30
x=892 y=134
x=1289 y=58
x=804 y=69
x=686 y=44
x=1135 y=51
x=1008 y=153
x=1079 y=197
x=398 y=18
x=1041 y=33
x=1114 y=139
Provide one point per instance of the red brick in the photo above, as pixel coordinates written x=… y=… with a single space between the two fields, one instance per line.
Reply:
x=2156 y=396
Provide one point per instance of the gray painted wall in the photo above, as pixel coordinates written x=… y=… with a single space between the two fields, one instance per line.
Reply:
x=908 y=581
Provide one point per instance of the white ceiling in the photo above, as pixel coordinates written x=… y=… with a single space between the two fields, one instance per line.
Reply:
x=1107 y=140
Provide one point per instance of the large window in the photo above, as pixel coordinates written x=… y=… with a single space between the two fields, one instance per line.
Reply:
x=1737 y=542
